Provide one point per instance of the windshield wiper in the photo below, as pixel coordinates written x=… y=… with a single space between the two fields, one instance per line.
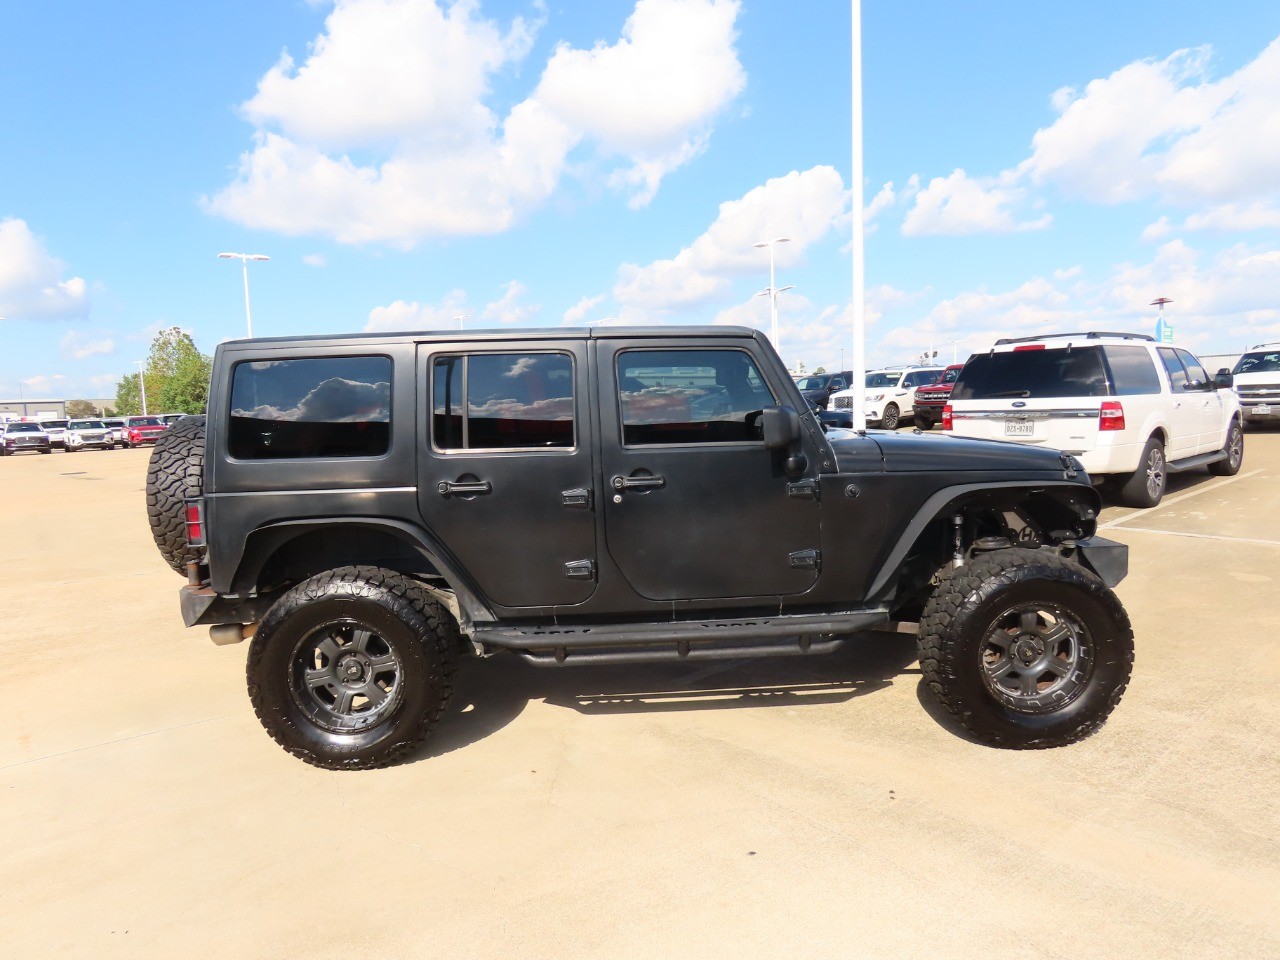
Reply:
x=1010 y=393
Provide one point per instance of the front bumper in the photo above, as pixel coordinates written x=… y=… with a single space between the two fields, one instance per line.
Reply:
x=1108 y=559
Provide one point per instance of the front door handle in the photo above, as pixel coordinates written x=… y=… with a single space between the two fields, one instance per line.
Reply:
x=463 y=489
x=639 y=483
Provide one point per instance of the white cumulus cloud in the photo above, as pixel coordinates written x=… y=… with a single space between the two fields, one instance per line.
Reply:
x=78 y=346
x=32 y=282
x=959 y=204
x=385 y=133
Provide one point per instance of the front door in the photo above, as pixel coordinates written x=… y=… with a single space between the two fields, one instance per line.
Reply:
x=505 y=469
x=695 y=506
x=1207 y=402
x=1185 y=419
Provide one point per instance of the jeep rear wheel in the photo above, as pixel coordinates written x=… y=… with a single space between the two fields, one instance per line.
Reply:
x=352 y=668
x=1026 y=648
x=175 y=474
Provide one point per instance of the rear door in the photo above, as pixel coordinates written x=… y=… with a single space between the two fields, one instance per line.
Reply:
x=694 y=506
x=505 y=471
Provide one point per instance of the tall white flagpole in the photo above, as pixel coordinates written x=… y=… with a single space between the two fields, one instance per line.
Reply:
x=858 y=364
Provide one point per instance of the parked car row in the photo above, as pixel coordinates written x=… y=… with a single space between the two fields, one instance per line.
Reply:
x=74 y=435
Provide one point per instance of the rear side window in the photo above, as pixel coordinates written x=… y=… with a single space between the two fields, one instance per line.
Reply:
x=1027 y=374
x=500 y=401
x=312 y=407
x=690 y=396
x=1132 y=372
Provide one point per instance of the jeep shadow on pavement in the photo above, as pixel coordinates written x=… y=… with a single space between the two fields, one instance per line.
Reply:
x=370 y=509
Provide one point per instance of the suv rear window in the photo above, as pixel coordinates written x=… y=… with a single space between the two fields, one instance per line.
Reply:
x=1048 y=373
x=311 y=407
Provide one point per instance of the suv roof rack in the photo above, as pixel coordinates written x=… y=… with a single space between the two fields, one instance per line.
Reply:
x=1270 y=343
x=1090 y=335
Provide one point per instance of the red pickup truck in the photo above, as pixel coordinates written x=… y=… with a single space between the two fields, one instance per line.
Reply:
x=140 y=430
x=930 y=399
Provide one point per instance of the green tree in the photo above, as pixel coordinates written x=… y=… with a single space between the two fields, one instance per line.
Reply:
x=820 y=370
x=81 y=408
x=128 y=401
x=176 y=378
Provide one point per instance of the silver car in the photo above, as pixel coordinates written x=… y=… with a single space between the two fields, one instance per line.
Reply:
x=84 y=434
x=57 y=431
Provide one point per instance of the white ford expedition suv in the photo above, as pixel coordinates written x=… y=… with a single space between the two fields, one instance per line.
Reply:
x=1123 y=405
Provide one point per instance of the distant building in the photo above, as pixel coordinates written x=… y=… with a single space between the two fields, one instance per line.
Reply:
x=35 y=409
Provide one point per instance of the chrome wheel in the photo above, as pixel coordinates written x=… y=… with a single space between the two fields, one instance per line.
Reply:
x=1036 y=657
x=1155 y=473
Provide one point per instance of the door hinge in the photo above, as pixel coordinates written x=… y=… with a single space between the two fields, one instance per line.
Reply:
x=577 y=497
x=580 y=570
x=805 y=560
x=804 y=490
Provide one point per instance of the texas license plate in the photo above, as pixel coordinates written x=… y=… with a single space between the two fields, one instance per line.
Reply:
x=1019 y=428
x=1262 y=409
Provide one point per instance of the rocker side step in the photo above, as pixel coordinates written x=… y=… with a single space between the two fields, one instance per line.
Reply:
x=786 y=635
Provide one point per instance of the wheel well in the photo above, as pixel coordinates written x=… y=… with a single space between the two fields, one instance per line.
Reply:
x=1033 y=518
x=319 y=549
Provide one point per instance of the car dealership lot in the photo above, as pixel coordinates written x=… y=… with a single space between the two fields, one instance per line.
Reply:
x=816 y=807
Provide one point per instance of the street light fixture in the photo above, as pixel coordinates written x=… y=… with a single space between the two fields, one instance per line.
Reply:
x=772 y=293
x=460 y=317
x=954 y=345
x=244 y=259
x=142 y=384
x=772 y=290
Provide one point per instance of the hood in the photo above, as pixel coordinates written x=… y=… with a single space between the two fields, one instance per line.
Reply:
x=940 y=452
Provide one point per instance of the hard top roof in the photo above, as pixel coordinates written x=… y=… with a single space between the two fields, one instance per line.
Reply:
x=653 y=331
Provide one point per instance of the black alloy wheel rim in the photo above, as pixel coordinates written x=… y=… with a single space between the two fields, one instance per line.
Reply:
x=345 y=676
x=1036 y=657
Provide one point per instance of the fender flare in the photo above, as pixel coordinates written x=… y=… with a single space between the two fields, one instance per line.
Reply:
x=943 y=500
x=265 y=541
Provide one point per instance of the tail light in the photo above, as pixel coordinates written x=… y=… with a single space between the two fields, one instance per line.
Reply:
x=195 y=523
x=1111 y=416
x=946 y=417
x=1029 y=346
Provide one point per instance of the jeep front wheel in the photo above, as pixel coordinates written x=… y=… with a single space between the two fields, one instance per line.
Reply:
x=352 y=668
x=1026 y=648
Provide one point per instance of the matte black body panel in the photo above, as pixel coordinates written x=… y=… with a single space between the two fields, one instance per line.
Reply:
x=735 y=530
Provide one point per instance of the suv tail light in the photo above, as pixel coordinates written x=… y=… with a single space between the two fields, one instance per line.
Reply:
x=195 y=522
x=946 y=417
x=1111 y=416
x=1029 y=346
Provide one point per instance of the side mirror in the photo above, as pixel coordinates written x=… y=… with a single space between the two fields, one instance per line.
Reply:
x=780 y=426
x=1223 y=380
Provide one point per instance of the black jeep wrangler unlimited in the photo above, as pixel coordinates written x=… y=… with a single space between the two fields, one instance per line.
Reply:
x=370 y=508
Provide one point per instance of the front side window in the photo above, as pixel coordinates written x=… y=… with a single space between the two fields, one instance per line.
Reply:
x=690 y=396
x=310 y=407
x=501 y=401
x=1173 y=366
x=1195 y=369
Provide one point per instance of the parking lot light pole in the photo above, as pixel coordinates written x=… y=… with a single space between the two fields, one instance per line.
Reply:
x=773 y=290
x=142 y=383
x=954 y=345
x=244 y=259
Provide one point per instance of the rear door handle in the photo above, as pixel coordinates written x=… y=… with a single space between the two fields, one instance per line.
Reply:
x=639 y=483
x=447 y=489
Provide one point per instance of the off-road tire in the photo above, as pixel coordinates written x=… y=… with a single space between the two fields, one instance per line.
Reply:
x=1234 y=450
x=420 y=633
x=1145 y=487
x=174 y=474
x=890 y=417
x=924 y=423
x=965 y=611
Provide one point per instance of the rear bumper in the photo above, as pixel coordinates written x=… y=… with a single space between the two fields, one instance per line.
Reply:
x=201 y=606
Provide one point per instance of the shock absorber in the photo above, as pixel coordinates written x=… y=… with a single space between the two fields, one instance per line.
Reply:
x=957 y=557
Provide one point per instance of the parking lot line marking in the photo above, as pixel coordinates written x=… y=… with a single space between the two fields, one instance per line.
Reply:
x=1205 y=536
x=1178 y=499
x=107 y=743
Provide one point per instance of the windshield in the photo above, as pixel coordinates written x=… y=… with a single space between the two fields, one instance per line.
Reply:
x=889 y=379
x=87 y=425
x=145 y=422
x=54 y=424
x=950 y=376
x=24 y=428
x=1262 y=362
x=812 y=383
x=1023 y=374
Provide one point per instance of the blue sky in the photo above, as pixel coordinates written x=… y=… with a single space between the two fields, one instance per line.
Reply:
x=1028 y=167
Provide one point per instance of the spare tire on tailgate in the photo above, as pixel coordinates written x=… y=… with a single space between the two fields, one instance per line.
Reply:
x=175 y=474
